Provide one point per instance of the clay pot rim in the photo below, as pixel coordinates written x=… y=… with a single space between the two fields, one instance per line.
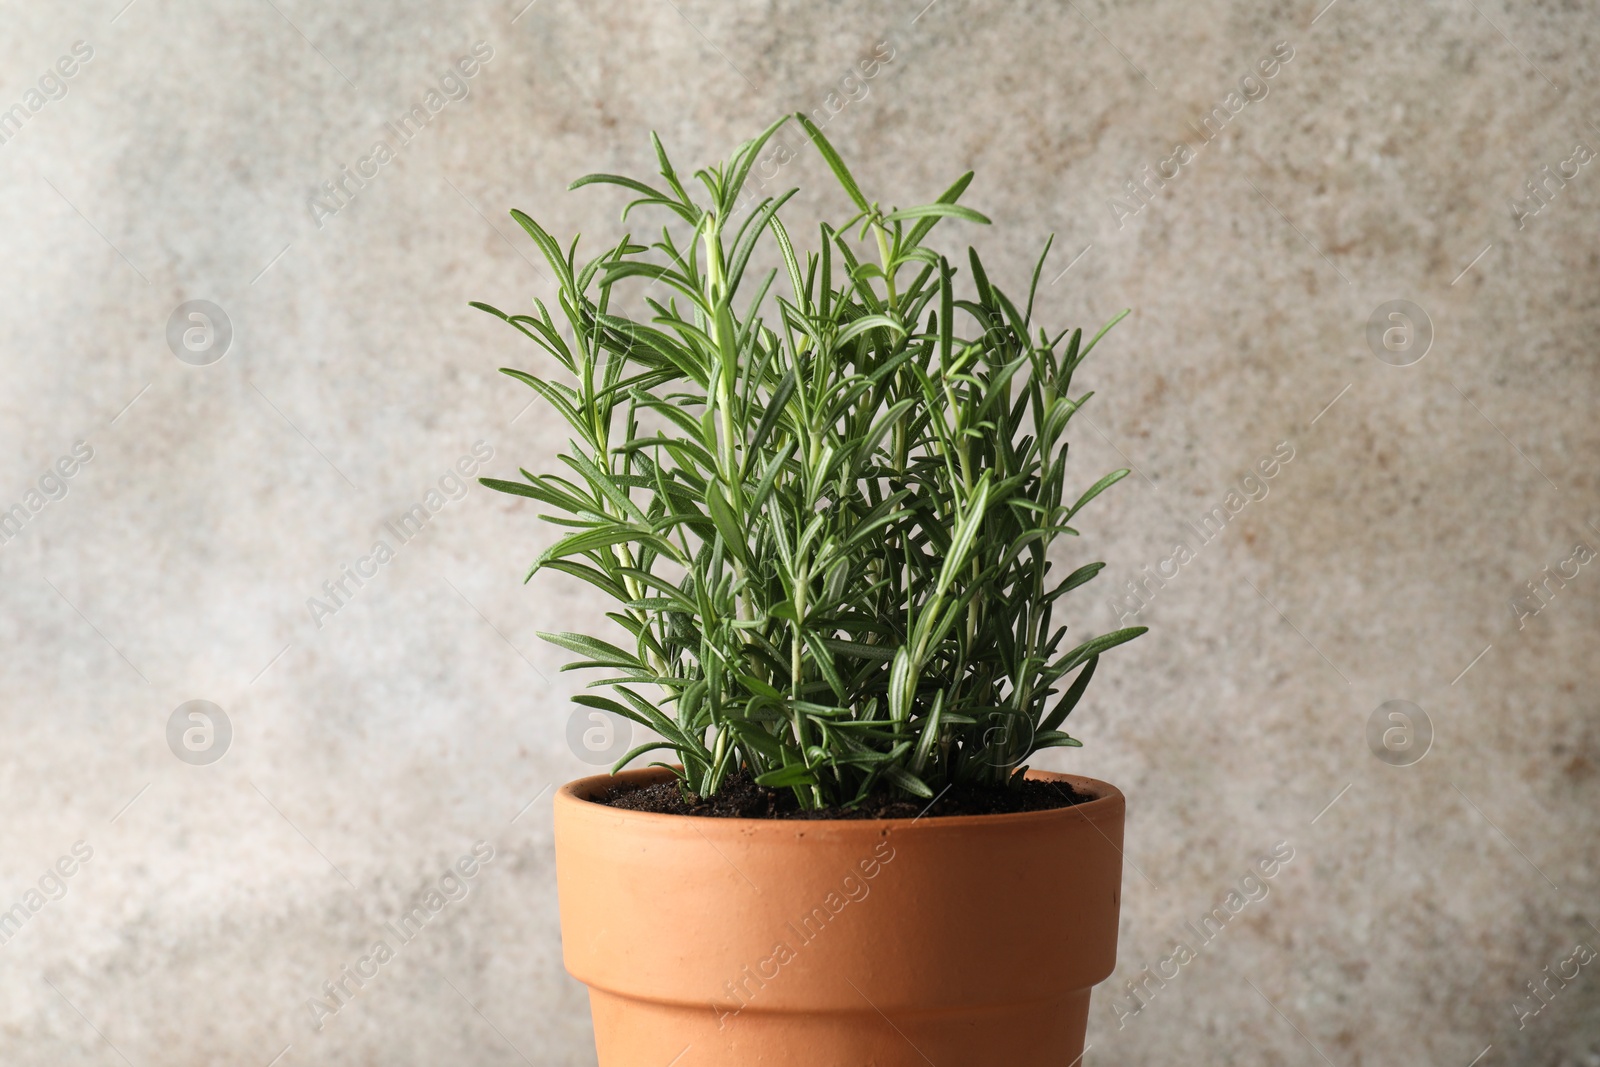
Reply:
x=1108 y=799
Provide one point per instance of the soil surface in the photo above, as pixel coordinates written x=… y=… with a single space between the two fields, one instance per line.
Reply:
x=741 y=798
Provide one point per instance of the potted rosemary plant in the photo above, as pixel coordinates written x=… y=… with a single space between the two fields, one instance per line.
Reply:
x=823 y=498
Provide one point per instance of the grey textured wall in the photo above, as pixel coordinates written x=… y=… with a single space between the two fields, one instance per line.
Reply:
x=373 y=746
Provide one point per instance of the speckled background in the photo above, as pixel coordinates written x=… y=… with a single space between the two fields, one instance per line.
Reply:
x=1386 y=161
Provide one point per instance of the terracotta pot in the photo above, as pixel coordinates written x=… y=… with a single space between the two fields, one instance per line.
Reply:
x=960 y=941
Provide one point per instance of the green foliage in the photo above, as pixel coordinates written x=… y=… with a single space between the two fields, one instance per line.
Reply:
x=829 y=555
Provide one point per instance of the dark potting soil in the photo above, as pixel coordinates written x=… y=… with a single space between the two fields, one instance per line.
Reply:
x=741 y=798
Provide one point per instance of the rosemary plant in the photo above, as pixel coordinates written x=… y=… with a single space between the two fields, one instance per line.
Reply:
x=830 y=554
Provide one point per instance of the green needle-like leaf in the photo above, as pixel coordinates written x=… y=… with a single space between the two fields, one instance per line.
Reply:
x=835 y=164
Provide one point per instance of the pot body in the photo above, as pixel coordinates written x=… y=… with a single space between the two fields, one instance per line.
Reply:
x=958 y=940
